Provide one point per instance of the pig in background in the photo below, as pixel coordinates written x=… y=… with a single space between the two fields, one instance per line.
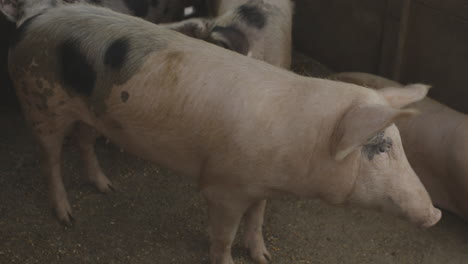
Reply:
x=243 y=129
x=267 y=24
x=436 y=143
x=260 y=29
x=307 y=66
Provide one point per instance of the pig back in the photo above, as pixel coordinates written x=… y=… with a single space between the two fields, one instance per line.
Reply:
x=155 y=92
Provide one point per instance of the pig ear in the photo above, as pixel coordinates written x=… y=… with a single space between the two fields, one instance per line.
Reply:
x=400 y=97
x=195 y=28
x=361 y=123
x=10 y=9
x=230 y=38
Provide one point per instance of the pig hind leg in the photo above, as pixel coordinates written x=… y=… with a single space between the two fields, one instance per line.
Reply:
x=45 y=109
x=253 y=237
x=50 y=133
x=85 y=137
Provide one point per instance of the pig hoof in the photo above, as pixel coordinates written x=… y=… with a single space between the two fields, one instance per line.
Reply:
x=261 y=257
x=259 y=253
x=103 y=184
x=112 y=188
x=64 y=214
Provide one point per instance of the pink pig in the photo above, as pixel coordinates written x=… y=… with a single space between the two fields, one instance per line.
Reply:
x=243 y=129
x=436 y=143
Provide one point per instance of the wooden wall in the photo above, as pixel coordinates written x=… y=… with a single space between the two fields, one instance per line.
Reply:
x=407 y=40
x=436 y=49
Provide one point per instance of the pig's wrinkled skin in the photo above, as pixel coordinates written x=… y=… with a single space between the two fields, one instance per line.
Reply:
x=244 y=129
x=436 y=144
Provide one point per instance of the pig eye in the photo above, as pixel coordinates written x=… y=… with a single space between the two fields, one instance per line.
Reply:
x=377 y=145
x=382 y=149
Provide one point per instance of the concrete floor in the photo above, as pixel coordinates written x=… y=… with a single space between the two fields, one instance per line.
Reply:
x=158 y=217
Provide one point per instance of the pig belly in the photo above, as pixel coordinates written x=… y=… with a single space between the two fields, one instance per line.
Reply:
x=147 y=136
x=152 y=146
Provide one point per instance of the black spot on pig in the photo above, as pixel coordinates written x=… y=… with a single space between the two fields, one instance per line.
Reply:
x=154 y=3
x=140 y=8
x=124 y=96
x=116 y=53
x=77 y=73
x=21 y=31
x=377 y=145
x=230 y=38
x=252 y=15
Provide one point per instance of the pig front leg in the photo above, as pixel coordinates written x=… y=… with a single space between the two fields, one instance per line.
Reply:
x=85 y=137
x=51 y=148
x=225 y=210
x=253 y=237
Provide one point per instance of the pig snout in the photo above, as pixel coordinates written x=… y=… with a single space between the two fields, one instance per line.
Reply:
x=405 y=198
x=418 y=209
x=431 y=219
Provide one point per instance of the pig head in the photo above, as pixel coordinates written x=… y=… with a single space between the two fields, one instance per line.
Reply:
x=435 y=142
x=384 y=180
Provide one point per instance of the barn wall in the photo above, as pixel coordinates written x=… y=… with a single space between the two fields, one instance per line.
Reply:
x=407 y=40
x=436 y=49
x=342 y=34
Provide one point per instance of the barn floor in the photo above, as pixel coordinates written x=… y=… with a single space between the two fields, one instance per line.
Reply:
x=158 y=217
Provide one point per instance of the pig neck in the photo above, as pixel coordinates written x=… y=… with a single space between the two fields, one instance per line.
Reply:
x=311 y=170
x=330 y=180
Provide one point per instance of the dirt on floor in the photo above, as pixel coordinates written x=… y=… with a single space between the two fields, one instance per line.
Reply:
x=158 y=217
